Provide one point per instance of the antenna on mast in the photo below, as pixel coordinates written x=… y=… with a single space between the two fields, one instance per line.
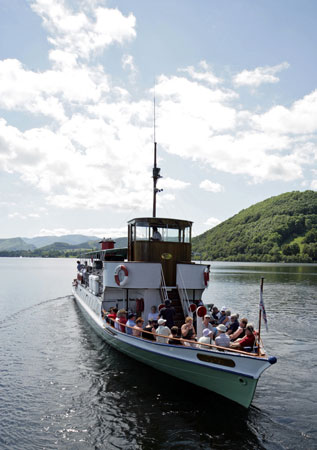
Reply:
x=156 y=170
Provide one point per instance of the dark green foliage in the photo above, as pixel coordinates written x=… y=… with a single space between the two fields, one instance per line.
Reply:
x=282 y=228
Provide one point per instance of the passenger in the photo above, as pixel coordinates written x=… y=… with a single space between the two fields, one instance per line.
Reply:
x=234 y=324
x=227 y=322
x=162 y=329
x=121 y=320
x=156 y=234
x=223 y=317
x=153 y=315
x=206 y=338
x=112 y=315
x=173 y=337
x=168 y=313
x=215 y=313
x=247 y=341
x=222 y=340
x=79 y=266
x=138 y=328
x=206 y=322
x=150 y=328
x=240 y=331
x=213 y=324
x=130 y=323
x=188 y=330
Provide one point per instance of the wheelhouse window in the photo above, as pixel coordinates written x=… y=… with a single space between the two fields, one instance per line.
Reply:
x=144 y=231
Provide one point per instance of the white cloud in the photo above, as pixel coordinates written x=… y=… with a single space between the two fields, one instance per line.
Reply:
x=313 y=185
x=212 y=222
x=205 y=76
x=300 y=118
x=84 y=34
x=259 y=75
x=17 y=215
x=209 y=186
x=128 y=64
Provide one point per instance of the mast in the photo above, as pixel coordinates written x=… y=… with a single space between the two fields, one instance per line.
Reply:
x=156 y=170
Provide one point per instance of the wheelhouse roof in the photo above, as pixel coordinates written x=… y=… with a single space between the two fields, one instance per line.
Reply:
x=162 y=222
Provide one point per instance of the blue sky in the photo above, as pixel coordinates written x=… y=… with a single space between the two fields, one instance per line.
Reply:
x=236 y=108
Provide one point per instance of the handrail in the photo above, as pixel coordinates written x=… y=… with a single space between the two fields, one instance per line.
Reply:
x=163 y=286
x=184 y=297
x=211 y=346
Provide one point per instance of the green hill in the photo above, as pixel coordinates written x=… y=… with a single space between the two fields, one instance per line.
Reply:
x=14 y=244
x=281 y=228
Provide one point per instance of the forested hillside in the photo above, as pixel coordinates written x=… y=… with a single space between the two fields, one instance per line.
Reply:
x=281 y=228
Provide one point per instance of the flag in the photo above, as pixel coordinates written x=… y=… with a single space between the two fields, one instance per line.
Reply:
x=262 y=308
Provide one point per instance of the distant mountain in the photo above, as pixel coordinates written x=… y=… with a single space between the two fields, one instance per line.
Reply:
x=281 y=228
x=72 y=239
x=14 y=244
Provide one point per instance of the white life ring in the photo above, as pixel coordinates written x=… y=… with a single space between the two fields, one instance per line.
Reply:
x=118 y=269
x=206 y=276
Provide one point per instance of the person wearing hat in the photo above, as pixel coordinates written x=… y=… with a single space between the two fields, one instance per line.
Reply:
x=222 y=340
x=138 y=327
x=161 y=331
x=223 y=317
x=206 y=338
x=247 y=341
x=130 y=323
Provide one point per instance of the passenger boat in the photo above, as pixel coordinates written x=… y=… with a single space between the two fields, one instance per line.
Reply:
x=146 y=273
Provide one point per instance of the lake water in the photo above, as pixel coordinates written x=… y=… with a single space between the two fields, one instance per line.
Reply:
x=62 y=387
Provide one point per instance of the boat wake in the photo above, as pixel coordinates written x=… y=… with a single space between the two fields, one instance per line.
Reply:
x=13 y=316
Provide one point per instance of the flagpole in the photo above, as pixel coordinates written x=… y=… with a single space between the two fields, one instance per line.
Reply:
x=260 y=315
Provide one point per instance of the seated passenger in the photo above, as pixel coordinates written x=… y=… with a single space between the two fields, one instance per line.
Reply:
x=222 y=340
x=206 y=322
x=153 y=315
x=206 y=338
x=233 y=325
x=223 y=316
x=188 y=330
x=240 y=331
x=215 y=313
x=247 y=341
x=121 y=320
x=213 y=324
x=173 y=337
x=130 y=323
x=138 y=328
x=111 y=317
x=162 y=329
x=149 y=331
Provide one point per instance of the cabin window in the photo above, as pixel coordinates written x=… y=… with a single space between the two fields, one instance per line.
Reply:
x=142 y=231
x=187 y=234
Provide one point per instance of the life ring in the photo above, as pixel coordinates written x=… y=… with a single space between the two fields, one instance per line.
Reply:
x=118 y=269
x=206 y=276
x=201 y=311
x=192 y=307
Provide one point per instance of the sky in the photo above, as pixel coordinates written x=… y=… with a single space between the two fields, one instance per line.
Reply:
x=235 y=87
